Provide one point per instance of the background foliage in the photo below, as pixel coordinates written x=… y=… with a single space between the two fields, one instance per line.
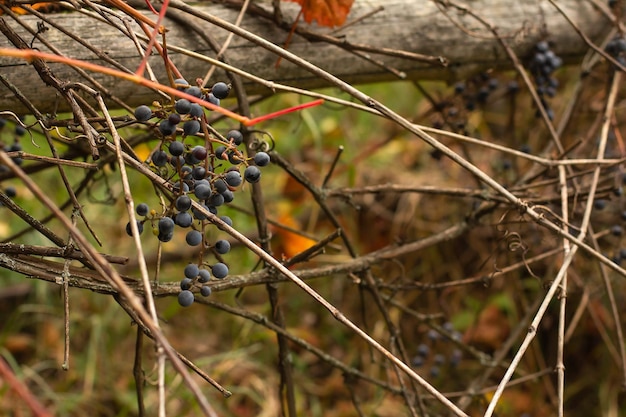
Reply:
x=455 y=307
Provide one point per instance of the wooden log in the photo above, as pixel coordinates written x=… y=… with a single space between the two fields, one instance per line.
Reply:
x=403 y=25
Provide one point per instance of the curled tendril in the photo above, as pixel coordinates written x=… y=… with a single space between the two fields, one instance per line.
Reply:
x=259 y=145
x=514 y=242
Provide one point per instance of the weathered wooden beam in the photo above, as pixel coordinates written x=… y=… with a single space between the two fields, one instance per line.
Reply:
x=403 y=25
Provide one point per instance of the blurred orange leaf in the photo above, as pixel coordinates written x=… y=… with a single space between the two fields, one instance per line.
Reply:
x=329 y=13
x=44 y=6
x=288 y=243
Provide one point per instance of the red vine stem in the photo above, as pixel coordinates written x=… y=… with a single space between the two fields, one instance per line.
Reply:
x=30 y=54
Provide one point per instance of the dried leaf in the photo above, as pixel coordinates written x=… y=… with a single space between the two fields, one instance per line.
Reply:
x=329 y=13
x=42 y=7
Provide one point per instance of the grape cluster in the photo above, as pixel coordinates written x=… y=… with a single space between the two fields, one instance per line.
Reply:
x=207 y=174
x=436 y=361
x=617 y=49
x=542 y=66
x=452 y=112
x=476 y=90
x=15 y=146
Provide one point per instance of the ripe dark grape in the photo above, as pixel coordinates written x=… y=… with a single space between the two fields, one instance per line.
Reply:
x=227 y=220
x=16 y=147
x=204 y=275
x=212 y=99
x=252 y=174
x=455 y=357
x=542 y=46
x=617 y=230
x=616 y=46
x=233 y=158
x=196 y=110
x=181 y=84
x=176 y=148
x=183 y=219
x=166 y=225
x=198 y=173
x=599 y=204
x=185 y=298
x=165 y=237
x=205 y=291
x=423 y=350
x=185 y=283
x=129 y=231
x=202 y=191
x=261 y=159
x=183 y=106
x=177 y=162
x=220 y=186
x=10 y=191
x=222 y=246
x=233 y=178
x=220 y=151
x=177 y=185
x=142 y=209
x=159 y=158
x=194 y=91
x=215 y=200
x=417 y=361
x=183 y=203
x=143 y=113
x=174 y=118
x=199 y=152
x=190 y=160
x=198 y=215
x=191 y=127
x=185 y=171
x=220 y=90
x=191 y=271
x=193 y=238
x=228 y=196
x=236 y=136
x=220 y=270
x=167 y=128
x=482 y=95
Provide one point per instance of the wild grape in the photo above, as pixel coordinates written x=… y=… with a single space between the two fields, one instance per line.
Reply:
x=222 y=246
x=191 y=127
x=191 y=271
x=185 y=298
x=220 y=270
x=143 y=113
x=176 y=148
x=193 y=238
x=220 y=90
x=142 y=209
x=252 y=174
x=261 y=159
x=183 y=203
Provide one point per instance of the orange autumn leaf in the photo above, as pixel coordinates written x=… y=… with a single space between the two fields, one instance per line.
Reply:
x=329 y=13
x=289 y=244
